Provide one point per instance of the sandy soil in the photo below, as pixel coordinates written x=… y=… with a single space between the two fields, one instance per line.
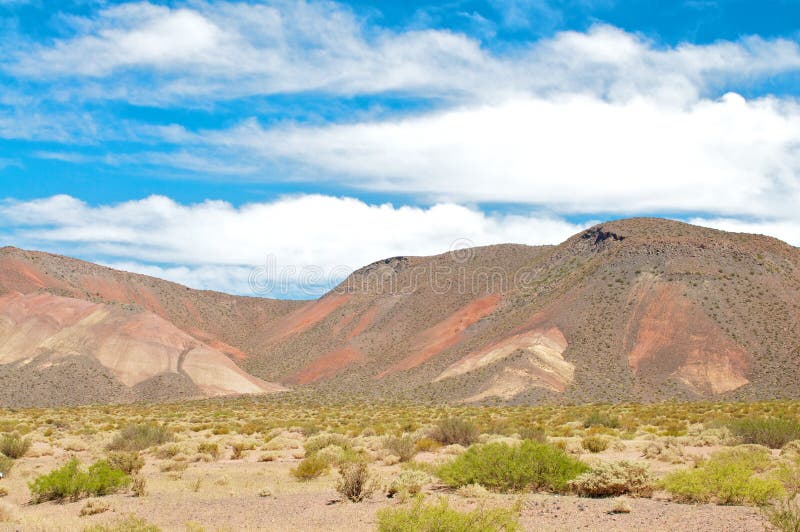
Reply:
x=248 y=494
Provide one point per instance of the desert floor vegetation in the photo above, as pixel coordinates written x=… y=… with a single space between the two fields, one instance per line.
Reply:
x=303 y=463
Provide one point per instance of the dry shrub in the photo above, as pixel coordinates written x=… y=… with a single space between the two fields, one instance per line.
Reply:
x=129 y=462
x=699 y=436
x=769 y=431
x=784 y=514
x=238 y=448
x=355 y=482
x=454 y=430
x=791 y=450
x=472 y=491
x=665 y=450
x=409 y=482
x=404 y=447
x=138 y=486
x=14 y=445
x=173 y=466
x=209 y=448
x=609 y=479
x=94 y=507
x=595 y=444
x=139 y=437
x=6 y=464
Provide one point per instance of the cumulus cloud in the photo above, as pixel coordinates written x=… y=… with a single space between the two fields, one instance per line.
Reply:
x=307 y=242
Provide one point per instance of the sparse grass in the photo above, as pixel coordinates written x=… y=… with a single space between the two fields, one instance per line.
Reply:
x=735 y=476
x=502 y=467
x=131 y=523
x=71 y=482
x=439 y=517
x=14 y=445
x=94 y=507
x=209 y=448
x=769 y=431
x=140 y=437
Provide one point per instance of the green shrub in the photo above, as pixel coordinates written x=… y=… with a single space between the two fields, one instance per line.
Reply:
x=70 y=482
x=504 y=467
x=127 y=462
x=734 y=476
x=422 y=517
x=139 y=437
x=310 y=467
x=533 y=433
x=770 y=431
x=355 y=483
x=404 y=447
x=14 y=445
x=595 y=444
x=610 y=479
x=455 y=430
x=600 y=419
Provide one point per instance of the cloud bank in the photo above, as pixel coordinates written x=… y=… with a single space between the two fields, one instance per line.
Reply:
x=307 y=242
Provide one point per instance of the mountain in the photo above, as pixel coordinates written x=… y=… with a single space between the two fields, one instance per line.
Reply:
x=72 y=332
x=638 y=309
x=630 y=310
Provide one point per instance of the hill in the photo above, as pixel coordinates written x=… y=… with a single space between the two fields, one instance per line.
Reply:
x=630 y=310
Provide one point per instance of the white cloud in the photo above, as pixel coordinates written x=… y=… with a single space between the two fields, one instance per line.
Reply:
x=226 y=50
x=570 y=154
x=215 y=245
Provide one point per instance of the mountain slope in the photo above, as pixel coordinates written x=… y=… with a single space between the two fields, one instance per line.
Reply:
x=73 y=332
x=640 y=309
x=630 y=310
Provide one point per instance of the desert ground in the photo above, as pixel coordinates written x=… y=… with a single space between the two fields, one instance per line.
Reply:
x=269 y=464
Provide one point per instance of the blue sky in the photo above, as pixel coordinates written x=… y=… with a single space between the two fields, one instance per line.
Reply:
x=212 y=142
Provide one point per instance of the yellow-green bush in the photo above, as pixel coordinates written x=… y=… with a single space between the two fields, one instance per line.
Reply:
x=71 y=482
x=734 y=476
x=502 y=467
x=424 y=517
x=310 y=467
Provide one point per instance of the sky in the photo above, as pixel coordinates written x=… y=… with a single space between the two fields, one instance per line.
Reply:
x=270 y=148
